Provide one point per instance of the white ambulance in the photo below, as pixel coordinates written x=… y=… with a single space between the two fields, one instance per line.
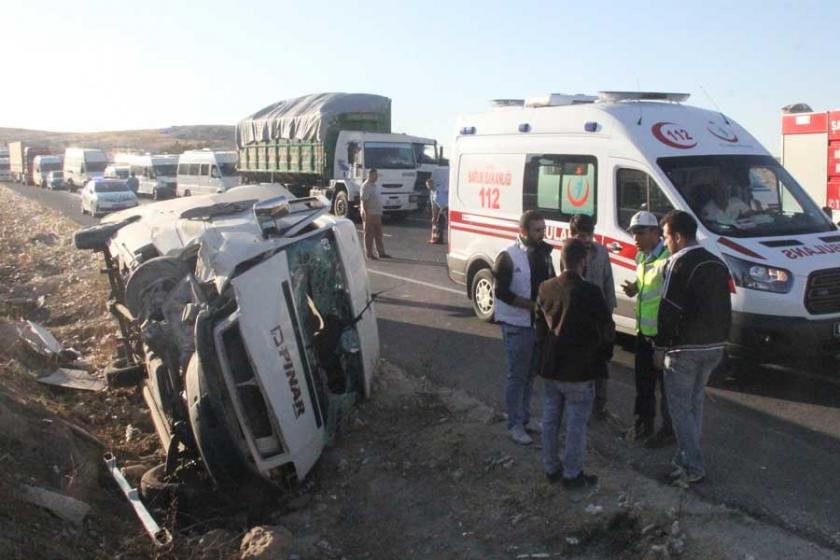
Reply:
x=612 y=155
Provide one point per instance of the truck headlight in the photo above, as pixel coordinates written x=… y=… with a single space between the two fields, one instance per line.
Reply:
x=756 y=276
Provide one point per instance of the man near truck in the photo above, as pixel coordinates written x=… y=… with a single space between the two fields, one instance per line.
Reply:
x=647 y=289
x=372 y=217
x=519 y=270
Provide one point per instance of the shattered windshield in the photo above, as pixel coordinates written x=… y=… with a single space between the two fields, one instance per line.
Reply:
x=389 y=155
x=744 y=196
x=323 y=305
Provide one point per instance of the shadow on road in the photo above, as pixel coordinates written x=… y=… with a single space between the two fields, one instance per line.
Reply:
x=451 y=310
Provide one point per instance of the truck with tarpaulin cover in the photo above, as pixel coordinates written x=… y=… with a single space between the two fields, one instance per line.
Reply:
x=21 y=156
x=323 y=144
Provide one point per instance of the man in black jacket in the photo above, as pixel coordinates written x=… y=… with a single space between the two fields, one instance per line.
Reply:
x=692 y=328
x=575 y=343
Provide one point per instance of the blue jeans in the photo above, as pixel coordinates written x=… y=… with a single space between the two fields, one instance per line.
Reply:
x=522 y=356
x=685 y=377
x=571 y=403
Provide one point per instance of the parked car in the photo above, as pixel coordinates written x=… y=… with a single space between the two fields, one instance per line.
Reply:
x=55 y=180
x=247 y=322
x=101 y=196
x=116 y=171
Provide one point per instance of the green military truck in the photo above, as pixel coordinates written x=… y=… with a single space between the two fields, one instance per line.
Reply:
x=324 y=143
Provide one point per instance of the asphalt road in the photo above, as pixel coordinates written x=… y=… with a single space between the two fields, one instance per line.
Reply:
x=771 y=436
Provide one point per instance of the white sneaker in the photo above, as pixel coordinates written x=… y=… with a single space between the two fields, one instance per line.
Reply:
x=520 y=436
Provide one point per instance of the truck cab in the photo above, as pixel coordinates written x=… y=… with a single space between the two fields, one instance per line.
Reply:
x=394 y=156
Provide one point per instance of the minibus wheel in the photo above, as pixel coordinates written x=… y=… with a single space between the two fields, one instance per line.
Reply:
x=482 y=294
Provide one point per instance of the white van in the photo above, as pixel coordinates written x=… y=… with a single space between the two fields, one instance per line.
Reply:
x=613 y=155
x=41 y=167
x=83 y=164
x=206 y=172
x=156 y=174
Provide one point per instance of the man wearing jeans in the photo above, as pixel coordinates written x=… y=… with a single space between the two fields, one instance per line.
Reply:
x=575 y=341
x=692 y=328
x=599 y=272
x=518 y=272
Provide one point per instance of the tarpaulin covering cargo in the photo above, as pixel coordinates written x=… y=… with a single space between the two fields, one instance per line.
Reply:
x=312 y=117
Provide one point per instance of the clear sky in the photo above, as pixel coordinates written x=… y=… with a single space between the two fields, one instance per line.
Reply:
x=91 y=65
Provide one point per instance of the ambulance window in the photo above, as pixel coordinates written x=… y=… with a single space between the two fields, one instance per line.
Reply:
x=637 y=191
x=560 y=186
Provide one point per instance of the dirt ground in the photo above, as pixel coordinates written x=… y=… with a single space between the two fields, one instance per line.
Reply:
x=416 y=471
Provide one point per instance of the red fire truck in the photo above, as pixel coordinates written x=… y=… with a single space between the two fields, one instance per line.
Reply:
x=811 y=152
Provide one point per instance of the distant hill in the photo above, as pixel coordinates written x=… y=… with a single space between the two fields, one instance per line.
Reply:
x=173 y=140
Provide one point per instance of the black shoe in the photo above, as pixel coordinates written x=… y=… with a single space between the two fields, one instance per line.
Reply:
x=582 y=480
x=663 y=438
x=556 y=476
x=385 y=256
x=641 y=429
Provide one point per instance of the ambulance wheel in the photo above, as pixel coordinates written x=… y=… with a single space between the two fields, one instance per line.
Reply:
x=482 y=295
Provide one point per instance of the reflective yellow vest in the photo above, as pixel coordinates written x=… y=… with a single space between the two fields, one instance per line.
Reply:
x=650 y=277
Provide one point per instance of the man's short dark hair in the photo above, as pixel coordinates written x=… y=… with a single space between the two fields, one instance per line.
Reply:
x=680 y=222
x=582 y=223
x=574 y=252
x=372 y=170
x=527 y=217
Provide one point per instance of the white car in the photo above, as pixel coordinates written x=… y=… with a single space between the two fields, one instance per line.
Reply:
x=249 y=327
x=101 y=196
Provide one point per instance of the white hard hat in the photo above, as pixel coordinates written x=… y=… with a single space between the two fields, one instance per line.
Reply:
x=643 y=219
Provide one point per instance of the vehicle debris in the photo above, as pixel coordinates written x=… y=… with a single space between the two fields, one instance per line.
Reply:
x=67 y=508
x=70 y=378
x=160 y=536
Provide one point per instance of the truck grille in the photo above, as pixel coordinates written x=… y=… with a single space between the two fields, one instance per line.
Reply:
x=822 y=294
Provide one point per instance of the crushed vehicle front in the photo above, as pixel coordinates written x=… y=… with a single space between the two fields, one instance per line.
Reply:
x=252 y=316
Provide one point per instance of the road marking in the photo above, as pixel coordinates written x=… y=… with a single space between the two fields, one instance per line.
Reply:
x=383 y=235
x=419 y=282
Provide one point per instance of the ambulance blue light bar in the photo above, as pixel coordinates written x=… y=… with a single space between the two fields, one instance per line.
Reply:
x=591 y=126
x=467 y=130
x=525 y=127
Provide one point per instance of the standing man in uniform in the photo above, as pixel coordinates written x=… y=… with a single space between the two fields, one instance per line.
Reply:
x=518 y=271
x=372 y=217
x=692 y=328
x=576 y=339
x=599 y=272
x=650 y=265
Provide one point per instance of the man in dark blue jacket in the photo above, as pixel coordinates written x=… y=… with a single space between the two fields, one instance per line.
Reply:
x=692 y=329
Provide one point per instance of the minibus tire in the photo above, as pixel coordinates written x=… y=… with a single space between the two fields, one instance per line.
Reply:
x=480 y=290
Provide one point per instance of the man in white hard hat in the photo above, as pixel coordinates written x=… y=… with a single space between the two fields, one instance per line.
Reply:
x=651 y=258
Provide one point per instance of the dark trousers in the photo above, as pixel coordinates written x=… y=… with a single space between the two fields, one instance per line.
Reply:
x=647 y=378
